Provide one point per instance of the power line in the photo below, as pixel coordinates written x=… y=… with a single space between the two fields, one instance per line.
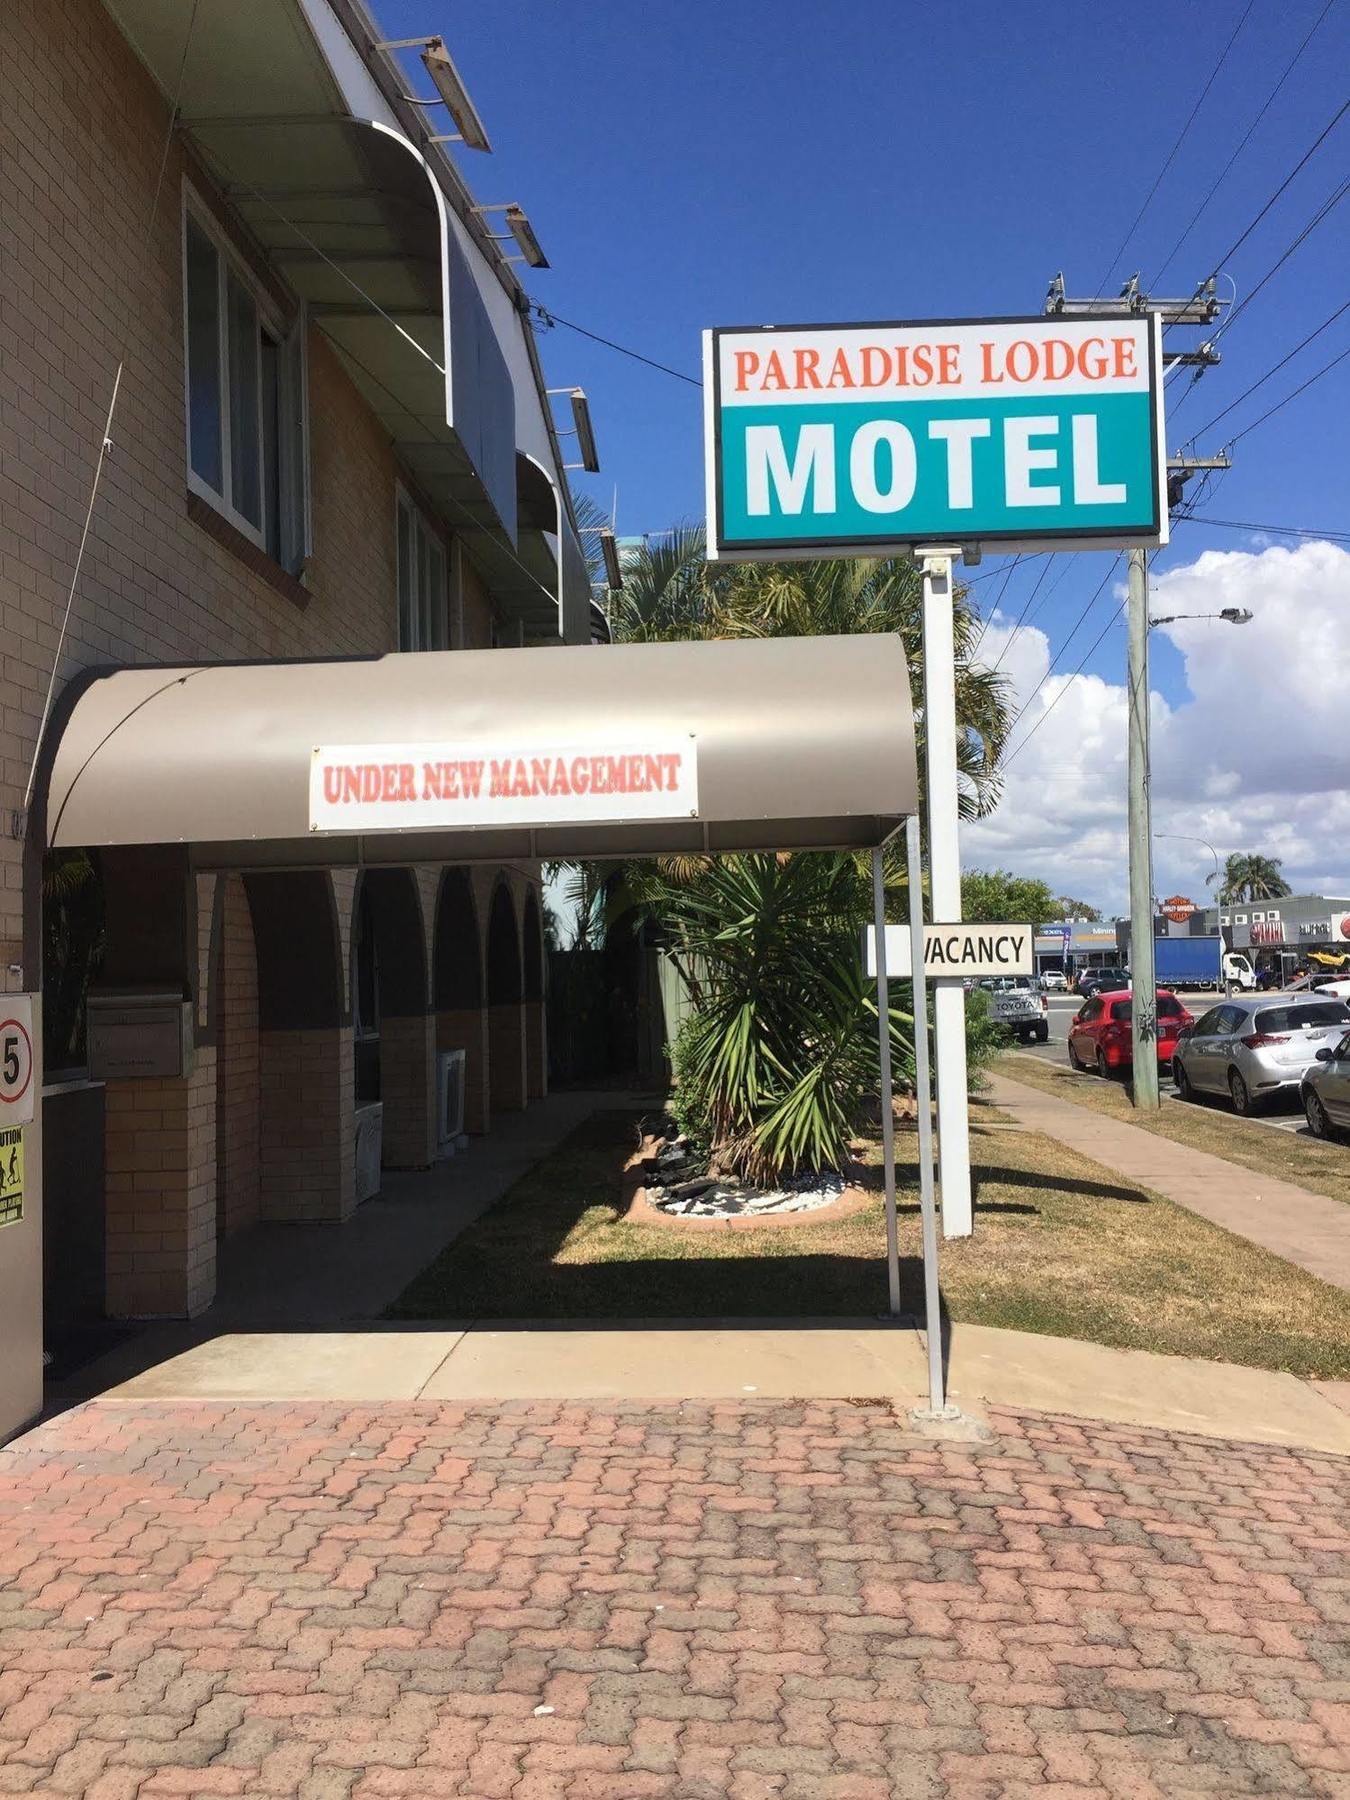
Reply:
x=1078 y=623
x=1274 y=370
x=1316 y=145
x=1068 y=683
x=548 y=317
x=1298 y=531
x=1246 y=139
x=1301 y=389
x=1021 y=619
x=988 y=619
x=1172 y=153
x=1324 y=210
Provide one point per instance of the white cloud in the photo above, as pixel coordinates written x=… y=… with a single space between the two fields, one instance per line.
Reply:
x=1257 y=758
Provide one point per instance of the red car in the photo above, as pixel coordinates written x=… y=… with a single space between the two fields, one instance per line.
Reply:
x=1099 y=1036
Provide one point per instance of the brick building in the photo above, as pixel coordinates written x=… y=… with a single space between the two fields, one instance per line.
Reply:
x=331 y=438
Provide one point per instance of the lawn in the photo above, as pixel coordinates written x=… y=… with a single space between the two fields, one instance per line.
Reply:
x=1204 y=1125
x=1060 y=1246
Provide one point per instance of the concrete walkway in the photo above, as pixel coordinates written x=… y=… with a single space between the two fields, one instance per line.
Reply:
x=290 y=1278
x=1307 y=1229
x=822 y=1360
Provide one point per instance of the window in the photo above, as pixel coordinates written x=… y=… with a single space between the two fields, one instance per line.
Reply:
x=1239 y=918
x=1274 y=913
x=1301 y=1017
x=1208 y=1024
x=1257 y=918
x=423 y=605
x=245 y=400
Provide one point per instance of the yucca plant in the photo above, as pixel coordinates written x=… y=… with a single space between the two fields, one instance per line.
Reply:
x=776 y=1060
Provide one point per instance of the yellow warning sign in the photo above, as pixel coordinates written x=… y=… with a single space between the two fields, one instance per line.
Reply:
x=11 y=1175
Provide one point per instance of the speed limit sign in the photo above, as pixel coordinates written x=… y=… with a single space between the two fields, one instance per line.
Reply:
x=16 y=1059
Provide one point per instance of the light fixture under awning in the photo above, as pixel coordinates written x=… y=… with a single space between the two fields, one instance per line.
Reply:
x=791 y=743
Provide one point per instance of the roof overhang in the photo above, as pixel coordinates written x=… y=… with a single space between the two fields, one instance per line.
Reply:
x=284 y=111
x=801 y=743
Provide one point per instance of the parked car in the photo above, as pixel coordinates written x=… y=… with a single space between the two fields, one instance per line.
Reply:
x=1100 y=1035
x=1100 y=981
x=1253 y=1047
x=1018 y=1003
x=1325 y=1090
x=1054 y=981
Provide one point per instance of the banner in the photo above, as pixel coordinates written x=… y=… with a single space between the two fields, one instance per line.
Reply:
x=438 y=787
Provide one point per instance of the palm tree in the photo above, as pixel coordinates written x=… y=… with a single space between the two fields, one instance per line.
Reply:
x=1249 y=876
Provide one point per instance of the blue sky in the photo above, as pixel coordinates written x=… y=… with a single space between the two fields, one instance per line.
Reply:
x=786 y=160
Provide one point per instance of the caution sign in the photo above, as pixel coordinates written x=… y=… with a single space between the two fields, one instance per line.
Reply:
x=11 y=1175
x=16 y=1059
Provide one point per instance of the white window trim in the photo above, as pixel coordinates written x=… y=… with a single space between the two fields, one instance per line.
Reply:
x=272 y=321
x=403 y=499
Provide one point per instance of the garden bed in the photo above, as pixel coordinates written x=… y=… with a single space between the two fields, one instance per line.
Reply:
x=1061 y=1245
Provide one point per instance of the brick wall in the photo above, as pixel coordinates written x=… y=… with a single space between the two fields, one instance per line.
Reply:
x=477 y=609
x=238 y=1099
x=408 y=1090
x=307 y=1126
x=161 y=1193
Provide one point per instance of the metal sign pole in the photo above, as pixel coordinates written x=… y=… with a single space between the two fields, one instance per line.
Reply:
x=944 y=865
x=932 y=1301
x=887 y=1085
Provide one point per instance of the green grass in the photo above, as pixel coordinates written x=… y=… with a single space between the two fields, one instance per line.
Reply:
x=1060 y=1246
x=1212 y=1125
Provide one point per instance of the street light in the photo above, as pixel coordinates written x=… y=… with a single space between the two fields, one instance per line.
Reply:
x=1232 y=615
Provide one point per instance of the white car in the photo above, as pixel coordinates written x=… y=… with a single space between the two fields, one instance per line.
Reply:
x=1054 y=981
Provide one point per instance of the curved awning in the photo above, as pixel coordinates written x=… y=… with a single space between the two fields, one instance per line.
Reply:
x=474 y=755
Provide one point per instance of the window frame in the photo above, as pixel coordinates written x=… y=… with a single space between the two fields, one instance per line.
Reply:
x=423 y=538
x=291 y=408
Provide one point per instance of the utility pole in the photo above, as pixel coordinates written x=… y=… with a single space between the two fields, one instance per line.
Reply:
x=1200 y=308
x=1143 y=975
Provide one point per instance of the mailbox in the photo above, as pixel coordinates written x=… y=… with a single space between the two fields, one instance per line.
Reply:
x=143 y=1033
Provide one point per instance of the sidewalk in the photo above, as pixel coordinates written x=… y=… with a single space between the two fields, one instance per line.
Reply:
x=1303 y=1228
x=857 y=1360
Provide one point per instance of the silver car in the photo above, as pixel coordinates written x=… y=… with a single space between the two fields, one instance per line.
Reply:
x=1326 y=1090
x=1253 y=1046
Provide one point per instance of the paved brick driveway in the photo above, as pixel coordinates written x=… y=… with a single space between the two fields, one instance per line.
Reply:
x=740 y=1600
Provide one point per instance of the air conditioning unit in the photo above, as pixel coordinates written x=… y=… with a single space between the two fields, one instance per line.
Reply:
x=449 y=1102
x=369 y=1147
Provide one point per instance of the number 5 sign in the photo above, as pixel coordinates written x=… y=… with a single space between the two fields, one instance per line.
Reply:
x=16 y=1059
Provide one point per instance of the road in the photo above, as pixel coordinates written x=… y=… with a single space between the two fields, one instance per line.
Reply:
x=1284 y=1114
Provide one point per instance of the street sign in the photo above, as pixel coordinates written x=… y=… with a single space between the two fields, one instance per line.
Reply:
x=16 y=1059
x=957 y=950
x=836 y=440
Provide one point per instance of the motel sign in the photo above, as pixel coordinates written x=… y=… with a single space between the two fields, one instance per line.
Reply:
x=828 y=440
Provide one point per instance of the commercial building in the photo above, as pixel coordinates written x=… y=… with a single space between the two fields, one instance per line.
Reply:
x=331 y=438
x=1075 y=945
x=1282 y=934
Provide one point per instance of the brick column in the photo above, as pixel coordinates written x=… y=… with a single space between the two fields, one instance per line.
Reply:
x=466 y=1029
x=307 y=1125
x=408 y=1090
x=506 y=1045
x=536 y=1049
x=161 y=1193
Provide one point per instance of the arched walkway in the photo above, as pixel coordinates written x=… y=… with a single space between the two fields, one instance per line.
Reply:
x=507 y=1085
x=392 y=1031
x=457 y=991
x=536 y=1028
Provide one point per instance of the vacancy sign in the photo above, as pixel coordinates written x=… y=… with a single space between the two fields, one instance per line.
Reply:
x=829 y=440
x=439 y=787
x=967 y=950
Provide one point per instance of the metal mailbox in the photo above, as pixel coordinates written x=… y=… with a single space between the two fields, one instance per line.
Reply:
x=139 y=1034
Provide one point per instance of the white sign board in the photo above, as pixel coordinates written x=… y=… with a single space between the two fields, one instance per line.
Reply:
x=436 y=787
x=960 y=950
x=16 y=1059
